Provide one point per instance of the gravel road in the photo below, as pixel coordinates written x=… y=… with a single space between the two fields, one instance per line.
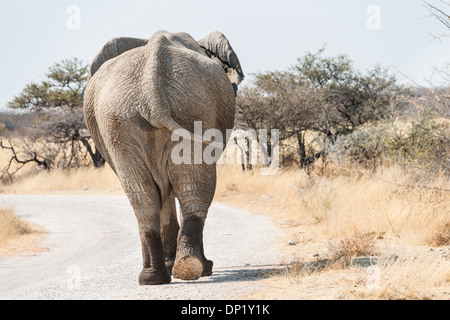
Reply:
x=95 y=252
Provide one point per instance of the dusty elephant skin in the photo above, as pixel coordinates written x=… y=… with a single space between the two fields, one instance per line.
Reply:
x=139 y=92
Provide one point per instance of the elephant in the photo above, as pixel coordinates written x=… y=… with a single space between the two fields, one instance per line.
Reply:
x=140 y=93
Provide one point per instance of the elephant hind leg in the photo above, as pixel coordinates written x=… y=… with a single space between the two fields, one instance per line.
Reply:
x=191 y=263
x=169 y=231
x=194 y=186
x=144 y=196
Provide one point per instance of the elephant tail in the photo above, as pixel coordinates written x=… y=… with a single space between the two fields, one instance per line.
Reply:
x=179 y=131
x=169 y=123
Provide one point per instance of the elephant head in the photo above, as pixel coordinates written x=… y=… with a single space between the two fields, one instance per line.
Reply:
x=218 y=48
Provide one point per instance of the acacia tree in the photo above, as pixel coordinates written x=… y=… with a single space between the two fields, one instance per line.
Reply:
x=324 y=95
x=275 y=101
x=348 y=97
x=63 y=88
x=57 y=105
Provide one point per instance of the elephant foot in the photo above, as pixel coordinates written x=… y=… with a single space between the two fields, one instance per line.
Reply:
x=169 y=265
x=187 y=267
x=207 y=268
x=150 y=277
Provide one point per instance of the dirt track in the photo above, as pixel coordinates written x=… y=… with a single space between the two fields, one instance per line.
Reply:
x=94 y=252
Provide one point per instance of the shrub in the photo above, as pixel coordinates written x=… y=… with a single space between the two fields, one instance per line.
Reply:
x=426 y=146
x=423 y=145
x=365 y=147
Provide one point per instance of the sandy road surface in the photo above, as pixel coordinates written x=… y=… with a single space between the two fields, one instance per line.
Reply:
x=94 y=252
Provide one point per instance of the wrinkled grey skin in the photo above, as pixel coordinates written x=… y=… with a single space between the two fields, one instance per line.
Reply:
x=138 y=93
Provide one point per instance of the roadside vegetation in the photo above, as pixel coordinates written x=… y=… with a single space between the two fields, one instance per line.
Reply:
x=17 y=235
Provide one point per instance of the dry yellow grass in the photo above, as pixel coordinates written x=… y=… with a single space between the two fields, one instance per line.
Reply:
x=386 y=204
x=412 y=278
x=31 y=179
x=83 y=180
x=11 y=226
x=17 y=235
x=334 y=216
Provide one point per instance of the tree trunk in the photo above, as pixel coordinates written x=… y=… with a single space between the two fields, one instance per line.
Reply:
x=97 y=158
x=248 y=151
x=301 y=147
x=242 y=152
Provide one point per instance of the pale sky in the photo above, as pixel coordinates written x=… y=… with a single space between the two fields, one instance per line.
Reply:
x=267 y=35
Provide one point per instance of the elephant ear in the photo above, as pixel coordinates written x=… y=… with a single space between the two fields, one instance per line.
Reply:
x=218 y=48
x=114 y=48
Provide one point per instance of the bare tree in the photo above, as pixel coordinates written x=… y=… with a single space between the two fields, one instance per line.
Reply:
x=440 y=13
x=19 y=159
x=58 y=123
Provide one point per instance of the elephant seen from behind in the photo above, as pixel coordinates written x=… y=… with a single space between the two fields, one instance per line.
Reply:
x=140 y=93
